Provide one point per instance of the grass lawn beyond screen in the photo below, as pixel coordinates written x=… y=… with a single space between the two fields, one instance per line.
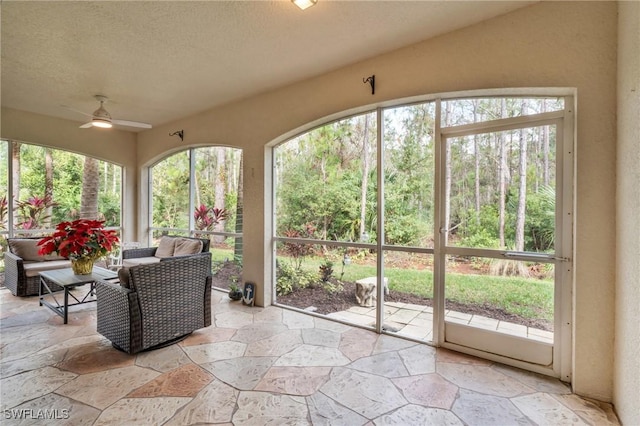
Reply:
x=526 y=297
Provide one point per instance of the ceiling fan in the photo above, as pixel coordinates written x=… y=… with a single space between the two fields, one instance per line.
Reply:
x=102 y=118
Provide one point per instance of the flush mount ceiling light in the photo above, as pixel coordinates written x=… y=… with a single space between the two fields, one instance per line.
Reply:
x=304 y=4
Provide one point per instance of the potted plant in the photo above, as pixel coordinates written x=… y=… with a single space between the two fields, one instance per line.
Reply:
x=82 y=241
x=234 y=292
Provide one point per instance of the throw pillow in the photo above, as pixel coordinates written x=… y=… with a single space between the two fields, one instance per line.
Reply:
x=123 y=277
x=186 y=246
x=165 y=247
x=27 y=250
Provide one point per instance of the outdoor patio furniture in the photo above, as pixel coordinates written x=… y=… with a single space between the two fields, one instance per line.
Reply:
x=69 y=282
x=170 y=246
x=114 y=260
x=158 y=305
x=23 y=264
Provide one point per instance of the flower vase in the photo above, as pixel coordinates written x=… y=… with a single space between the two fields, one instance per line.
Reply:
x=82 y=266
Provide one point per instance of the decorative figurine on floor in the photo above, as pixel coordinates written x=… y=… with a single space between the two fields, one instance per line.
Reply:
x=249 y=294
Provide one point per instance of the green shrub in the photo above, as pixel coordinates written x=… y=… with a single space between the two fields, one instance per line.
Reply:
x=288 y=278
x=326 y=271
x=332 y=287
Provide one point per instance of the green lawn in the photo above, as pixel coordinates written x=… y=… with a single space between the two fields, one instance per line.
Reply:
x=220 y=254
x=527 y=297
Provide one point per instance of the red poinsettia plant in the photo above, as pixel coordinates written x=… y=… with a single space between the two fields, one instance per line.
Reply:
x=80 y=239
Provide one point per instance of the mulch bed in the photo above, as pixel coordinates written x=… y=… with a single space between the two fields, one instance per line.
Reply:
x=326 y=302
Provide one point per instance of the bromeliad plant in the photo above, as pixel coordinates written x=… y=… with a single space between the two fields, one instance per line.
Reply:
x=208 y=217
x=81 y=239
x=33 y=211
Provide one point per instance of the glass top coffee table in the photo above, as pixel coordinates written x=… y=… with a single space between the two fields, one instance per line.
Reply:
x=66 y=279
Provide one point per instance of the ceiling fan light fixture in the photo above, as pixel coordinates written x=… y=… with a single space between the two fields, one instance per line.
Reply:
x=102 y=123
x=304 y=4
x=101 y=117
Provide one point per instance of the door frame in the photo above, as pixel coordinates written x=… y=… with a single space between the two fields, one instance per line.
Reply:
x=481 y=343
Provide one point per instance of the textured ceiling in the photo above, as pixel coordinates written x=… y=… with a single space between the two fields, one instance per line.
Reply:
x=159 y=61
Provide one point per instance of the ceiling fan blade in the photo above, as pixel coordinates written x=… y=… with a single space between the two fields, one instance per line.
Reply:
x=132 y=124
x=86 y=125
x=75 y=110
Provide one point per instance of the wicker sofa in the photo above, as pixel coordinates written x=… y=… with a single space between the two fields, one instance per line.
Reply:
x=23 y=264
x=162 y=303
x=170 y=246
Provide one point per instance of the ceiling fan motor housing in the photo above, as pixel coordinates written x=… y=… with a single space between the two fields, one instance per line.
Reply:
x=101 y=117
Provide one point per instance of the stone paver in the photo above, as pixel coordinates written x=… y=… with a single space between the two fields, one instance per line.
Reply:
x=262 y=366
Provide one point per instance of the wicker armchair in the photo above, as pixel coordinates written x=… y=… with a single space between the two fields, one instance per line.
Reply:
x=166 y=301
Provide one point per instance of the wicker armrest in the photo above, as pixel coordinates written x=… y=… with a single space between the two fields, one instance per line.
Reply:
x=13 y=260
x=139 y=252
x=14 y=276
x=118 y=315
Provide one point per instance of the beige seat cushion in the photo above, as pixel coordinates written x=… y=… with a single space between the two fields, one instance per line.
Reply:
x=166 y=247
x=32 y=269
x=27 y=250
x=186 y=246
x=127 y=263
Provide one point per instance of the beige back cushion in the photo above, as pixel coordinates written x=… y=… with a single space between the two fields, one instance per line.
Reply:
x=123 y=277
x=27 y=249
x=186 y=246
x=165 y=247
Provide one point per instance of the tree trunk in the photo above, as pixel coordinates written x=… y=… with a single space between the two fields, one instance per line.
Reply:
x=90 y=184
x=365 y=176
x=502 y=179
x=477 y=163
x=196 y=186
x=447 y=181
x=15 y=160
x=220 y=180
x=545 y=152
x=522 y=190
x=48 y=187
x=237 y=250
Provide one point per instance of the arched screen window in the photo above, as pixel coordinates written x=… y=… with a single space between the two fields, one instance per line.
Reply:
x=48 y=186
x=41 y=187
x=198 y=192
x=431 y=220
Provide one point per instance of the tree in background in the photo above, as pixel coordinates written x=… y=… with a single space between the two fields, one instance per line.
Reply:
x=90 y=184
x=321 y=178
x=48 y=186
x=493 y=191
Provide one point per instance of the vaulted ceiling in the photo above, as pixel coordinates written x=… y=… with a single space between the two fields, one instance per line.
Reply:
x=159 y=61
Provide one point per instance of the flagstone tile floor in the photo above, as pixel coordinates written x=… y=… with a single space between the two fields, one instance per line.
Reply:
x=262 y=366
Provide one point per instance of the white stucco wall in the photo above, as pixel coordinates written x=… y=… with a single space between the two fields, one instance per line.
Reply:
x=549 y=44
x=626 y=392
